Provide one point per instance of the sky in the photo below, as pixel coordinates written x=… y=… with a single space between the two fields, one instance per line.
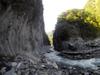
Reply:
x=53 y=8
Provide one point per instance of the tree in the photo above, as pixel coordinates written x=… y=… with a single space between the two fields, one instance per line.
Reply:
x=93 y=7
x=76 y=23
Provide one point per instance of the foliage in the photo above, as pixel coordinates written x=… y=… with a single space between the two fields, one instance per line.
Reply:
x=79 y=15
x=86 y=20
x=93 y=6
x=50 y=36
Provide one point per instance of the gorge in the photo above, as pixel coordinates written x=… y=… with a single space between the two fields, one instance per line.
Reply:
x=25 y=47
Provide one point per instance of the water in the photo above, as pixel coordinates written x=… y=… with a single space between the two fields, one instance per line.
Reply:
x=92 y=63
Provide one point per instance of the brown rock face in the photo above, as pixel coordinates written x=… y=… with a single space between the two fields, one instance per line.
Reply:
x=21 y=26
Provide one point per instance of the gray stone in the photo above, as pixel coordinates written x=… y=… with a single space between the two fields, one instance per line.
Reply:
x=21 y=26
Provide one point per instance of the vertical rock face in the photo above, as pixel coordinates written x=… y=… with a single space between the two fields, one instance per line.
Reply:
x=21 y=26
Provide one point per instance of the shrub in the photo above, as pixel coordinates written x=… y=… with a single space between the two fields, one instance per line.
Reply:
x=88 y=24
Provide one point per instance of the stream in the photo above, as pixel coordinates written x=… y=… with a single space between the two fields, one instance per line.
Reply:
x=92 y=63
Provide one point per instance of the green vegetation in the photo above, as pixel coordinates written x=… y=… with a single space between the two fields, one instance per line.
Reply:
x=79 y=15
x=86 y=21
x=88 y=18
x=93 y=7
x=50 y=36
x=90 y=14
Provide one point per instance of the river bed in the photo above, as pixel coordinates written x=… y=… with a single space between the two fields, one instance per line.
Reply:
x=92 y=63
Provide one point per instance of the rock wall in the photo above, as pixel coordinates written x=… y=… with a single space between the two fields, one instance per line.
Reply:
x=64 y=31
x=21 y=26
x=71 y=35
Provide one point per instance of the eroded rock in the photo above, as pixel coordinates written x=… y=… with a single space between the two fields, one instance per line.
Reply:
x=21 y=26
